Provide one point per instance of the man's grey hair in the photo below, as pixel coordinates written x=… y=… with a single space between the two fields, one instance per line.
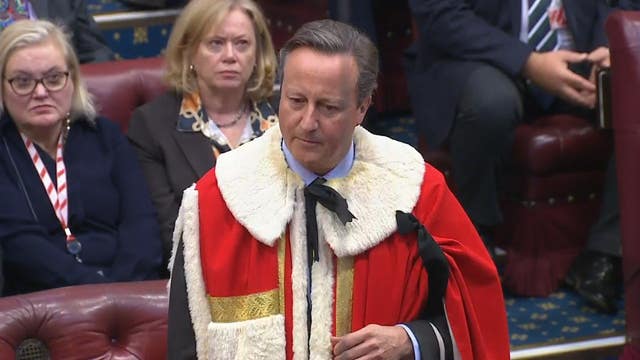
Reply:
x=333 y=37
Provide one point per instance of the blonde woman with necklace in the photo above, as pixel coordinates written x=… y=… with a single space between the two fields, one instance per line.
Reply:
x=221 y=67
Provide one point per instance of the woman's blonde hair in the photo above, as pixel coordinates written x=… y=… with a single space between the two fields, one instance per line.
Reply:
x=195 y=21
x=25 y=33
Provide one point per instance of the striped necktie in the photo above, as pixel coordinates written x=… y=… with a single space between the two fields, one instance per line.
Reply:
x=541 y=35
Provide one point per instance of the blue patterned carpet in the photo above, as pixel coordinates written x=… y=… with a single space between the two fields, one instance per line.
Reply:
x=138 y=42
x=131 y=41
x=562 y=317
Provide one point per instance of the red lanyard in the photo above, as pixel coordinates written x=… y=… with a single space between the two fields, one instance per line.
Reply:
x=57 y=194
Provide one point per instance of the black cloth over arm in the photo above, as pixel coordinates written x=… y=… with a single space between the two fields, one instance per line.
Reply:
x=181 y=337
x=434 y=313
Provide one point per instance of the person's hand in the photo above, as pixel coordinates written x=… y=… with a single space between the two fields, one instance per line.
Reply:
x=373 y=342
x=550 y=70
x=599 y=59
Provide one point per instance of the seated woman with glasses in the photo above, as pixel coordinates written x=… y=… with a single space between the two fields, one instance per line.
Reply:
x=75 y=208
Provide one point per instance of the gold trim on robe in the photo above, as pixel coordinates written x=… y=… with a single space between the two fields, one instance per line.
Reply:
x=246 y=307
x=282 y=250
x=344 y=294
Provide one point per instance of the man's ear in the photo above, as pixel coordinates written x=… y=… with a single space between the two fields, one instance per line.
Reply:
x=362 y=109
x=365 y=105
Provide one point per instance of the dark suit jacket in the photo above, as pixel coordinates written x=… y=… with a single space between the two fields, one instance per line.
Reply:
x=171 y=160
x=457 y=35
x=87 y=40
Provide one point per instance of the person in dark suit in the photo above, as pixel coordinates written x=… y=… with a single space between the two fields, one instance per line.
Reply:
x=483 y=66
x=87 y=40
x=221 y=66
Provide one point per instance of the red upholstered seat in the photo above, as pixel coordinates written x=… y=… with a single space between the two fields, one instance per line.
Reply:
x=118 y=87
x=100 y=321
x=552 y=198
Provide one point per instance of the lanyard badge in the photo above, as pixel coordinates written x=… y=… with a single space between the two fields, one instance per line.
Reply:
x=57 y=194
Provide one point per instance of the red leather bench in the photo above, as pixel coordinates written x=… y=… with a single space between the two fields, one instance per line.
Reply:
x=105 y=321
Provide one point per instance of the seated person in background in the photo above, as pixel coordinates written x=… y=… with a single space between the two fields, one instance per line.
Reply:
x=252 y=257
x=482 y=65
x=221 y=66
x=75 y=207
x=482 y=69
x=86 y=38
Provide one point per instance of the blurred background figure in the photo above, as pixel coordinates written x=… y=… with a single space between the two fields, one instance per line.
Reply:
x=472 y=84
x=86 y=38
x=221 y=67
x=76 y=208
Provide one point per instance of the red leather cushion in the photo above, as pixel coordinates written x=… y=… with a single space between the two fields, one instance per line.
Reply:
x=107 y=321
x=118 y=87
x=560 y=144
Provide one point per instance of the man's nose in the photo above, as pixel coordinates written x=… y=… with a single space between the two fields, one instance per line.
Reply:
x=309 y=119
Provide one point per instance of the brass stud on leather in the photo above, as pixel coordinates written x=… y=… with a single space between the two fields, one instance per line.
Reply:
x=570 y=198
x=551 y=201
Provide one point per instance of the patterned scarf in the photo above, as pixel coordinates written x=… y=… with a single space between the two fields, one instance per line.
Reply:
x=192 y=118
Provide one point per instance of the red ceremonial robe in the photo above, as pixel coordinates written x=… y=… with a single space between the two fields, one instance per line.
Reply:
x=247 y=285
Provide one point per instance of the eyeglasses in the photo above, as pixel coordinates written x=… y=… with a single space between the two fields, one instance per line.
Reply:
x=23 y=85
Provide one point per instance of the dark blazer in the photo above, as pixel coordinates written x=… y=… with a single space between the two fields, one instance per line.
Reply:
x=87 y=40
x=171 y=160
x=110 y=212
x=455 y=36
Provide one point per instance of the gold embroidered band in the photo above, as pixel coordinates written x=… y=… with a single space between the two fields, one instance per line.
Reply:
x=246 y=307
x=253 y=306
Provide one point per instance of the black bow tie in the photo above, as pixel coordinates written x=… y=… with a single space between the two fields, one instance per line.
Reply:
x=330 y=199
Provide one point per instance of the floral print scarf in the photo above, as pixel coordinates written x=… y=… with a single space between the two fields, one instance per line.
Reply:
x=192 y=118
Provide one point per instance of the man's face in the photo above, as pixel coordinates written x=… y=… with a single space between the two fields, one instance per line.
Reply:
x=318 y=107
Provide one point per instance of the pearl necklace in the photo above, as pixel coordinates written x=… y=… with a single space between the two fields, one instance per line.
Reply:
x=234 y=121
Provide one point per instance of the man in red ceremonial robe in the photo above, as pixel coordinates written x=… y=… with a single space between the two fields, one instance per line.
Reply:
x=320 y=240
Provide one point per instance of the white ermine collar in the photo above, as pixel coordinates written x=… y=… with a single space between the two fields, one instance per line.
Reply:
x=259 y=190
